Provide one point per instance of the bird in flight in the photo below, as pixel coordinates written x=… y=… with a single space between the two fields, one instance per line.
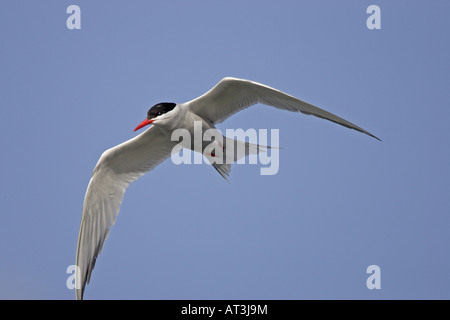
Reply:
x=126 y=162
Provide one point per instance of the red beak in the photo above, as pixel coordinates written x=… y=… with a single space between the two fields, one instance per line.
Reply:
x=143 y=124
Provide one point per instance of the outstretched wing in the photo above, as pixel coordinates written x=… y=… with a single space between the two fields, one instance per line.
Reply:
x=231 y=95
x=116 y=169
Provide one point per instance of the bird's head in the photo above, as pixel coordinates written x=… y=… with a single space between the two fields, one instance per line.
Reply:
x=157 y=113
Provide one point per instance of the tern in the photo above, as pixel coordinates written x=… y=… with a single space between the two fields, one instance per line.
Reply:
x=126 y=162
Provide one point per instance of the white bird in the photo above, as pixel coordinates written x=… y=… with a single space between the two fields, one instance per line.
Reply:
x=126 y=162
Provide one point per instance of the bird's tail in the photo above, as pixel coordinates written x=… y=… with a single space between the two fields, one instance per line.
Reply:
x=223 y=155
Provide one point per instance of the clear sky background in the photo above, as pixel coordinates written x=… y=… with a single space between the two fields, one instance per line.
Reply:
x=341 y=201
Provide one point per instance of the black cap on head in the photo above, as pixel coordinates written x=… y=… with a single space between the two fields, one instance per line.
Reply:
x=159 y=109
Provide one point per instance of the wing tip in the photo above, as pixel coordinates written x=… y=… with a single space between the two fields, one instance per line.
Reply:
x=368 y=133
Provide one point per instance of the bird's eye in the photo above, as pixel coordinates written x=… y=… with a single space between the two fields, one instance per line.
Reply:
x=159 y=113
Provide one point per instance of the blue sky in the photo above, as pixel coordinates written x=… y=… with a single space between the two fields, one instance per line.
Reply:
x=341 y=201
